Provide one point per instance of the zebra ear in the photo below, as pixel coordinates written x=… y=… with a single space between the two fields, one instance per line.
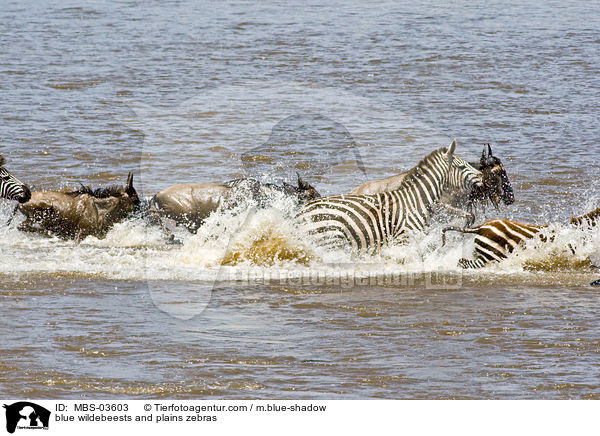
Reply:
x=451 y=149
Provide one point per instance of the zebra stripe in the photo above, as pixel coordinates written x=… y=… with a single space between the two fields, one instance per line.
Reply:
x=591 y=218
x=370 y=221
x=12 y=188
x=498 y=238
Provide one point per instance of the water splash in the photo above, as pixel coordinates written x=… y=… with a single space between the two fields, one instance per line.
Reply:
x=233 y=243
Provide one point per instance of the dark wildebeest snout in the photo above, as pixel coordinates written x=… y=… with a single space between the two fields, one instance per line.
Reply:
x=496 y=184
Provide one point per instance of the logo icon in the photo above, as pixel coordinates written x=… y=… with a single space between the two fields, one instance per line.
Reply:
x=26 y=415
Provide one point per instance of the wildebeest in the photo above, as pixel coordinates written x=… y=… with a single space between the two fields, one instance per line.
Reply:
x=262 y=192
x=79 y=213
x=12 y=188
x=190 y=204
x=496 y=186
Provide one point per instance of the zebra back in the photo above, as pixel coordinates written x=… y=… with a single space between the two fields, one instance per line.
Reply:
x=591 y=218
x=474 y=179
x=496 y=239
x=12 y=188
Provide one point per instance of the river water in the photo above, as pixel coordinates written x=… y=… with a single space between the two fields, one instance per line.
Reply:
x=195 y=91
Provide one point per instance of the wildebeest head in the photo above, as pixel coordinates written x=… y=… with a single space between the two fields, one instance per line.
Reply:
x=304 y=191
x=496 y=185
x=127 y=196
x=10 y=187
x=131 y=192
x=127 y=199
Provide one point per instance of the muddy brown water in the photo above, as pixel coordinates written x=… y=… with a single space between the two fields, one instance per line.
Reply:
x=185 y=92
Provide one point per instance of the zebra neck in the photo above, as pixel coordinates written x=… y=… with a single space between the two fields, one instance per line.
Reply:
x=420 y=195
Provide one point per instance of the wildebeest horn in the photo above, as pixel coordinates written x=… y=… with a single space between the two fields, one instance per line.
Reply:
x=484 y=155
x=489 y=150
x=301 y=183
x=130 y=190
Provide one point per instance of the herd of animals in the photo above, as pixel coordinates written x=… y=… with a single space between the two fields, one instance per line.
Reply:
x=373 y=214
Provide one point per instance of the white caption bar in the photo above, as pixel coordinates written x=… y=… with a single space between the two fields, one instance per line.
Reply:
x=68 y=417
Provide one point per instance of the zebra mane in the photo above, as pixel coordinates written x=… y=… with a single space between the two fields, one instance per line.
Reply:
x=415 y=173
x=111 y=191
x=2 y=161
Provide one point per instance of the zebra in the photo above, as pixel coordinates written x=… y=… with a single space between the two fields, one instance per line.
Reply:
x=498 y=238
x=496 y=187
x=370 y=221
x=12 y=188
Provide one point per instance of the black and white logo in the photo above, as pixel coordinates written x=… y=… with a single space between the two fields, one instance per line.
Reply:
x=26 y=415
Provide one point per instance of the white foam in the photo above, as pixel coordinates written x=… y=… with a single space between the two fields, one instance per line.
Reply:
x=132 y=250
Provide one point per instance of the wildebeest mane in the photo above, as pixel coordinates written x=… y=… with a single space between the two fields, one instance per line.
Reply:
x=111 y=191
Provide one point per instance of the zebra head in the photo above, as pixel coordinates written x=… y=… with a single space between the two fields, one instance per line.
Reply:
x=496 y=185
x=462 y=176
x=12 y=188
